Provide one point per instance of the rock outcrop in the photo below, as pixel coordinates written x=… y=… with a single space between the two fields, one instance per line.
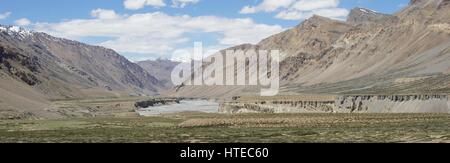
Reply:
x=394 y=103
x=156 y=102
x=344 y=104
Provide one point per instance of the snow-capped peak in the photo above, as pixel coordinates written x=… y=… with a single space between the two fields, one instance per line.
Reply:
x=17 y=31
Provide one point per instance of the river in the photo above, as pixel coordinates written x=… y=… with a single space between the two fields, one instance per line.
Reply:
x=184 y=106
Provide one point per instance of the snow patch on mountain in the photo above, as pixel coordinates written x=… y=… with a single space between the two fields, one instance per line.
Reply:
x=16 y=31
x=368 y=11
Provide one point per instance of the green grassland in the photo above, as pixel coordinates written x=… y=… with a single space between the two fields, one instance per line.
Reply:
x=246 y=128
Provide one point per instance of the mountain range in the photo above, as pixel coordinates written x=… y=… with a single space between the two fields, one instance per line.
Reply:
x=369 y=53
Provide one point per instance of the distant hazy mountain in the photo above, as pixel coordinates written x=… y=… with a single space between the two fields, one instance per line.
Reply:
x=161 y=69
x=370 y=53
x=35 y=67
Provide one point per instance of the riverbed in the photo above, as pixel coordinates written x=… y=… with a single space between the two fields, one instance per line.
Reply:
x=184 y=106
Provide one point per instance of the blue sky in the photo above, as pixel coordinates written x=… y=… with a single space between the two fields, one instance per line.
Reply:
x=149 y=29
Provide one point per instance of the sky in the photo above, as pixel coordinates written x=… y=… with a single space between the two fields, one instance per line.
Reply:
x=151 y=29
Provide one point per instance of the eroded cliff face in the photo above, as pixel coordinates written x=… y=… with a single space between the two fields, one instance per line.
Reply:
x=394 y=104
x=279 y=107
x=345 y=104
x=448 y=103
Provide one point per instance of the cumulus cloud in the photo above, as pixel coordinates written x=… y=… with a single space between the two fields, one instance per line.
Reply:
x=185 y=54
x=5 y=15
x=104 y=14
x=22 y=22
x=335 y=13
x=157 y=32
x=267 y=6
x=138 y=4
x=310 y=5
x=299 y=9
x=183 y=3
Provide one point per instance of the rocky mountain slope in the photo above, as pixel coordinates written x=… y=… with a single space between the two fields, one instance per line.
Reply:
x=370 y=53
x=36 y=67
x=365 y=17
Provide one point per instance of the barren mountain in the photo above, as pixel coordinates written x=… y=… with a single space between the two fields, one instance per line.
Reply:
x=307 y=41
x=36 y=67
x=370 y=53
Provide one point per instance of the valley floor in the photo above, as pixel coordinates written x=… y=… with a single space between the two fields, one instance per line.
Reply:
x=245 y=128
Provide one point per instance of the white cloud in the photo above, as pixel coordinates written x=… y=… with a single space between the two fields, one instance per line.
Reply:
x=299 y=9
x=334 y=13
x=291 y=15
x=104 y=14
x=183 y=3
x=309 y=5
x=5 y=15
x=22 y=22
x=267 y=6
x=138 y=4
x=157 y=32
x=185 y=54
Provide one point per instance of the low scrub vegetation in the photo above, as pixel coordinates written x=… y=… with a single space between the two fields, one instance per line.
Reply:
x=248 y=128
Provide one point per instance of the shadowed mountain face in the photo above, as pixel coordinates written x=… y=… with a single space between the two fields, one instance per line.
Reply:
x=54 y=68
x=370 y=53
